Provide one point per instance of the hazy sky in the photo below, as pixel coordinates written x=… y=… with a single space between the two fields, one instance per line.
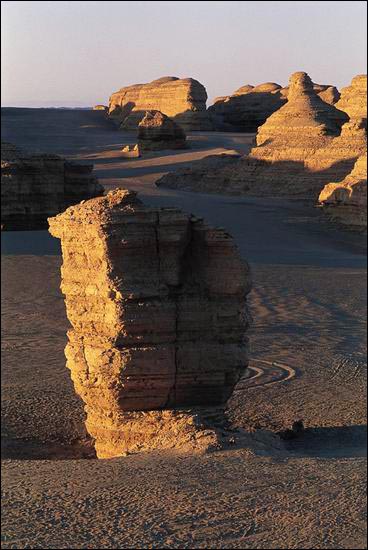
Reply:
x=77 y=53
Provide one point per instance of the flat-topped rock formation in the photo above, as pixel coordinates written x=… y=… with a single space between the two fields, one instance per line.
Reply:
x=353 y=100
x=100 y=108
x=346 y=202
x=34 y=187
x=250 y=106
x=282 y=162
x=157 y=302
x=157 y=132
x=247 y=108
x=184 y=100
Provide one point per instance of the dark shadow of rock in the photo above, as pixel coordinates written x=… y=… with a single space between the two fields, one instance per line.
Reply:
x=24 y=449
x=255 y=177
x=330 y=442
x=245 y=113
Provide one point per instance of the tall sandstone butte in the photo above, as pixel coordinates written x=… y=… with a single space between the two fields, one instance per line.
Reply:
x=34 y=187
x=157 y=302
x=184 y=100
x=301 y=147
x=346 y=202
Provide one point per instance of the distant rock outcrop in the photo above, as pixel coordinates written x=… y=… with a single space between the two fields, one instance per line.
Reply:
x=101 y=108
x=247 y=108
x=157 y=132
x=34 y=187
x=353 y=100
x=157 y=302
x=183 y=100
x=131 y=151
x=329 y=94
x=346 y=202
x=285 y=159
x=250 y=106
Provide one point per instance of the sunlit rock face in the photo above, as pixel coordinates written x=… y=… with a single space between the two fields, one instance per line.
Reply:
x=100 y=108
x=353 y=98
x=157 y=132
x=157 y=302
x=346 y=202
x=303 y=119
x=184 y=100
x=34 y=187
x=285 y=160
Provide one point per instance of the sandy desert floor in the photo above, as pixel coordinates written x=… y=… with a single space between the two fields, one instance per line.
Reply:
x=308 y=345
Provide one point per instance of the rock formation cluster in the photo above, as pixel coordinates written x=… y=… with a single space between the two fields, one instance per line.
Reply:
x=346 y=202
x=250 y=106
x=34 y=187
x=301 y=147
x=157 y=302
x=157 y=131
x=184 y=100
x=247 y=108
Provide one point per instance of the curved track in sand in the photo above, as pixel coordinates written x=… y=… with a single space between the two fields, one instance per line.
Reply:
x=264 y=373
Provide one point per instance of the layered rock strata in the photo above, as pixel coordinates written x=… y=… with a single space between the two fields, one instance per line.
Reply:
x=157 y=302
x=184 y=100
x=300 y=148
x=346 y=202
x=353 y=100
x=157 y=132
x=250 y=106
x=34 y=187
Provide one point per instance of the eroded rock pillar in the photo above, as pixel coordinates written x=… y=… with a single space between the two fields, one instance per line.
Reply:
x=157 y=302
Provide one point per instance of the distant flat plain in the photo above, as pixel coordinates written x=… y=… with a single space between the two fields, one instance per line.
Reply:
x=309 y=309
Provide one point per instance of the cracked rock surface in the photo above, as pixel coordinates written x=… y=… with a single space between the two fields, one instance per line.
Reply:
x=34 y=187
x=157 y=302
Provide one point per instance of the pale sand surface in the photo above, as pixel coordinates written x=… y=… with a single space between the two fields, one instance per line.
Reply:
x=309 y=309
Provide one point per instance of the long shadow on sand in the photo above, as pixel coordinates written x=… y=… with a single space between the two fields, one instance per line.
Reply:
x=324 y=443
x=330 y=442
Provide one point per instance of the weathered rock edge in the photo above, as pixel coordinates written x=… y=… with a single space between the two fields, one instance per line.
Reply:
x=157 y=302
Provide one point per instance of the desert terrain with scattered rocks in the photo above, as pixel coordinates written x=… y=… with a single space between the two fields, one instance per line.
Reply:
x=249 y=483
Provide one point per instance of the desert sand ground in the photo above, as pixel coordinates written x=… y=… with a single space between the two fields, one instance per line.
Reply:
x=308 y=361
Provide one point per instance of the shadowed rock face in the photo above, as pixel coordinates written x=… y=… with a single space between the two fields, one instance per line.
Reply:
x=346 y=201
x=250 y=106
x=302 y=146
x=181 y=99
x=157 y=302
x=34 y=187
x=158 y=132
